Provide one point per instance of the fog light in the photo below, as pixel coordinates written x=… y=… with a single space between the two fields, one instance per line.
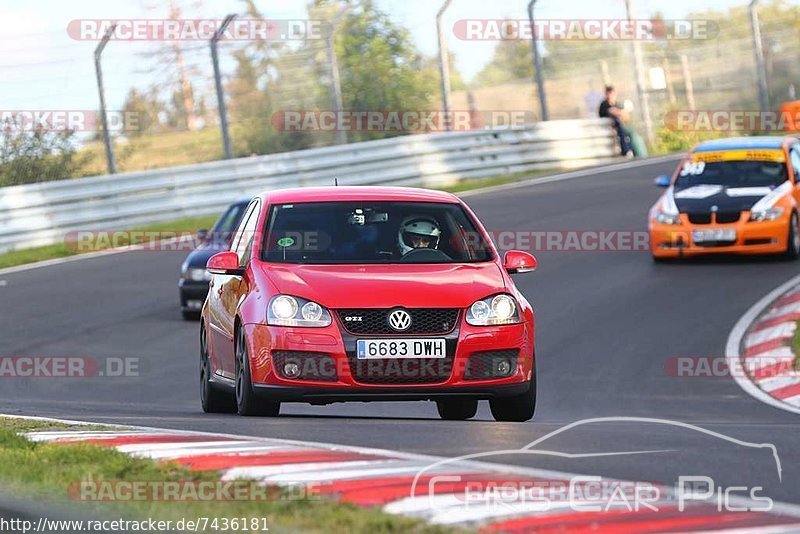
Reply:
x=503 y=367
x=291 y=370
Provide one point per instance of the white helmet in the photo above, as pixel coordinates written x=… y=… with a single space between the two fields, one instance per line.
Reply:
x=418 y=227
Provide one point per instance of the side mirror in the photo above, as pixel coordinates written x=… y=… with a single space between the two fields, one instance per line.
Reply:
x=225 y=263
x=663 y=181
x=517 y=261
x=202 y=234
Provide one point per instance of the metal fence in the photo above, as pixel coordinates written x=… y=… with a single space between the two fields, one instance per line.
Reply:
x=41 y=214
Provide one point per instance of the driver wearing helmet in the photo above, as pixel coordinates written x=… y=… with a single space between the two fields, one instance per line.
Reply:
x=418 y=231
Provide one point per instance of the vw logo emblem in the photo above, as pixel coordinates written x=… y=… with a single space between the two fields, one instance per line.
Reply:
x=399 y=320
x=714 y=209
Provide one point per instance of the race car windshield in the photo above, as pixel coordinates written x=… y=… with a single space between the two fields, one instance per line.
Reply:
x=372 y=232
x=732 y=174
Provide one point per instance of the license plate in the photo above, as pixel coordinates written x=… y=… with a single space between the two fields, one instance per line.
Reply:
x=718 y=234
x=368 y=349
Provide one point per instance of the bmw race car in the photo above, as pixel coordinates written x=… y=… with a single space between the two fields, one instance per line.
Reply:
x=366 y=294
x=736 y=195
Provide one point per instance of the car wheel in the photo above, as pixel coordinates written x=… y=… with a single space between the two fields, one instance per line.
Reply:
x=190 y=315
x=793 y=243
x=457 y=409
x=517 y=408
x=212 y=400
x=247 y=403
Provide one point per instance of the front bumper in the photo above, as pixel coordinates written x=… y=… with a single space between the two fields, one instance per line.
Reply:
x=670 y=241
x=268 y=342
x=192 y=294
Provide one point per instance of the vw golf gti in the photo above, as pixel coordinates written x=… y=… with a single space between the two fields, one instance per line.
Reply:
x=366 y=294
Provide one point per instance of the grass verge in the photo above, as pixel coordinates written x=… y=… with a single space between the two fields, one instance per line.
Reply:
x=44 y=472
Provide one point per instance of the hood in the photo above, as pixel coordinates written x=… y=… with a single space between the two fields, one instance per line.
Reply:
x=385 y=286
x=701 y=198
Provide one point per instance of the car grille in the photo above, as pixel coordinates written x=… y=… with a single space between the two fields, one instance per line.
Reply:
x=483 y=365
x=403 y=370
x=699 y=218
x=728 y=217
x=313 y=366
x=723 y=217
x=374 y=321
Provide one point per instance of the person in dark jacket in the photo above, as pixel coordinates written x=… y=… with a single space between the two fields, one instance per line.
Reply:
x=610 y=109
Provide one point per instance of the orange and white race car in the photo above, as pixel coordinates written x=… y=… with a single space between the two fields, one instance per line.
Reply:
x=737 y=196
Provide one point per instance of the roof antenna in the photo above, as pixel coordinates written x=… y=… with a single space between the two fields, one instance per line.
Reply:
x=335 y=181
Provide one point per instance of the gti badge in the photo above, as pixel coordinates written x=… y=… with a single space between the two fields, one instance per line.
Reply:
x=400 y=320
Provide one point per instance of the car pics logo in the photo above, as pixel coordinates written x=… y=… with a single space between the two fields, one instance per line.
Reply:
x=501 y=493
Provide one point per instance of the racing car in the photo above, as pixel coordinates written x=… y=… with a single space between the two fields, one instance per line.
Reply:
x=366 y=294
x=730 y=196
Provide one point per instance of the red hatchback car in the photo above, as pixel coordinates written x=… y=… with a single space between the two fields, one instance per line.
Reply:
x=366 y=294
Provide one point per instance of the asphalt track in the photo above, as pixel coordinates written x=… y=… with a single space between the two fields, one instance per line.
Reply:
x=607 y=324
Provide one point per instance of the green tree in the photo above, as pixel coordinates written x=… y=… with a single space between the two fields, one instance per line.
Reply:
x=511 y=61
x=147 y=109
x=39 y=156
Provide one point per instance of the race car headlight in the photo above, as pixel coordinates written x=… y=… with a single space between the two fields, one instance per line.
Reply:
x=667 y=218
x=769 y=214
x=293 y=311
x=197 y=274
x=499 y=309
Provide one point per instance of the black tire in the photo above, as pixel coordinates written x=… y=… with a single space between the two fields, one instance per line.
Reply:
x=657 y=259
x=793 y=243
x=247 y=403
x=457 y=409
x=212 y=400
x=190 y=315
x=518 y=408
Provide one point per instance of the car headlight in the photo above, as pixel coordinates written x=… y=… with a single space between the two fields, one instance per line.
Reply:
x=769 y=214
x=285 y=310
x=667 y=218
x=197 y=274
x=499 y=309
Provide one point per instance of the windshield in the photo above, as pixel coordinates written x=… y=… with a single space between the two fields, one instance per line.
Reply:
x=373 y=232
x=230 y=219
x=732 y=174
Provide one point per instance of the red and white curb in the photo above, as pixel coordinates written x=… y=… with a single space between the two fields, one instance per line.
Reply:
x=423 y=487
x=759 y=350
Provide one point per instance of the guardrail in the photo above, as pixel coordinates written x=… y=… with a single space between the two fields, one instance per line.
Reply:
x=41 y=214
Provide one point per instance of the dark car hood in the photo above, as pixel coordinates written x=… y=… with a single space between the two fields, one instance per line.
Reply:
x=383 y=286
x=199 y=256
x=702 y=198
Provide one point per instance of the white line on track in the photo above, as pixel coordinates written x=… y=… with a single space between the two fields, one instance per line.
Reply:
x=734 y=345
